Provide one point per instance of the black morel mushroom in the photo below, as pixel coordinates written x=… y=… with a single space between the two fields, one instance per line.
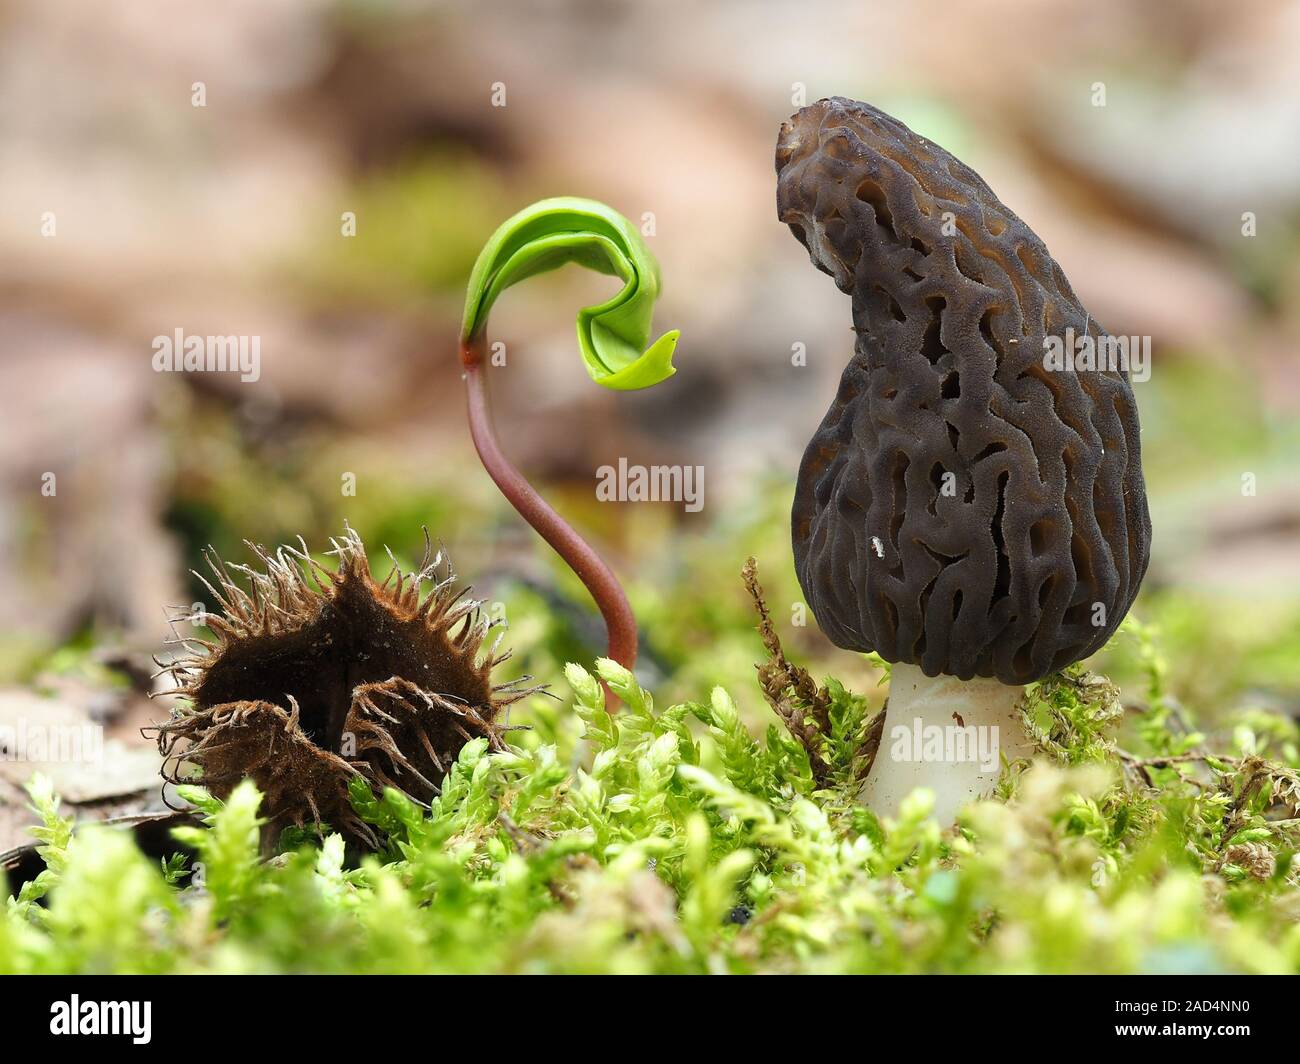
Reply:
x=319 y=676
x=962 y=509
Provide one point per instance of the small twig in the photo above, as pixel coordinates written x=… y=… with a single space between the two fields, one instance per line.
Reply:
x=805 y=709
x=525 y=840
x=1171 y=759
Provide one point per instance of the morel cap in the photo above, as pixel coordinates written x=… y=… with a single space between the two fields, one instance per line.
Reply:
x=962 y=506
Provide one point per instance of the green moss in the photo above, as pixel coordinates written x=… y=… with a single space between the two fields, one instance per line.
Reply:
x=674 y=840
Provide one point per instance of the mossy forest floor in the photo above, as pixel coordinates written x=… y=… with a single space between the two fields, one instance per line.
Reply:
x=678 y=840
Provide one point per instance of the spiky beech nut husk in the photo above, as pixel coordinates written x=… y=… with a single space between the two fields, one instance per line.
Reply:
x=318 y=676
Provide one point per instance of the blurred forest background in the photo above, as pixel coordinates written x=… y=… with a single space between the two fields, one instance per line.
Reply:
x=227 y=218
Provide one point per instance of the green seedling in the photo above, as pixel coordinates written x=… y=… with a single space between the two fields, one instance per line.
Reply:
x=612 y=338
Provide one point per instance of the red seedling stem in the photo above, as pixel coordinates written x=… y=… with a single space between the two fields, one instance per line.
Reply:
x=599 y=578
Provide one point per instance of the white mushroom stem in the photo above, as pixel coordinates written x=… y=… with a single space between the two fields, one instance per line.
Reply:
x=946 y=734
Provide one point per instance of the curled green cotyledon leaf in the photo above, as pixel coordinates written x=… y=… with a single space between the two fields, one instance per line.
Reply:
x=612 y=335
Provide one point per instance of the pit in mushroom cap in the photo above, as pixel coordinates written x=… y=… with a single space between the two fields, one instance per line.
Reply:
x=1035 y=557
